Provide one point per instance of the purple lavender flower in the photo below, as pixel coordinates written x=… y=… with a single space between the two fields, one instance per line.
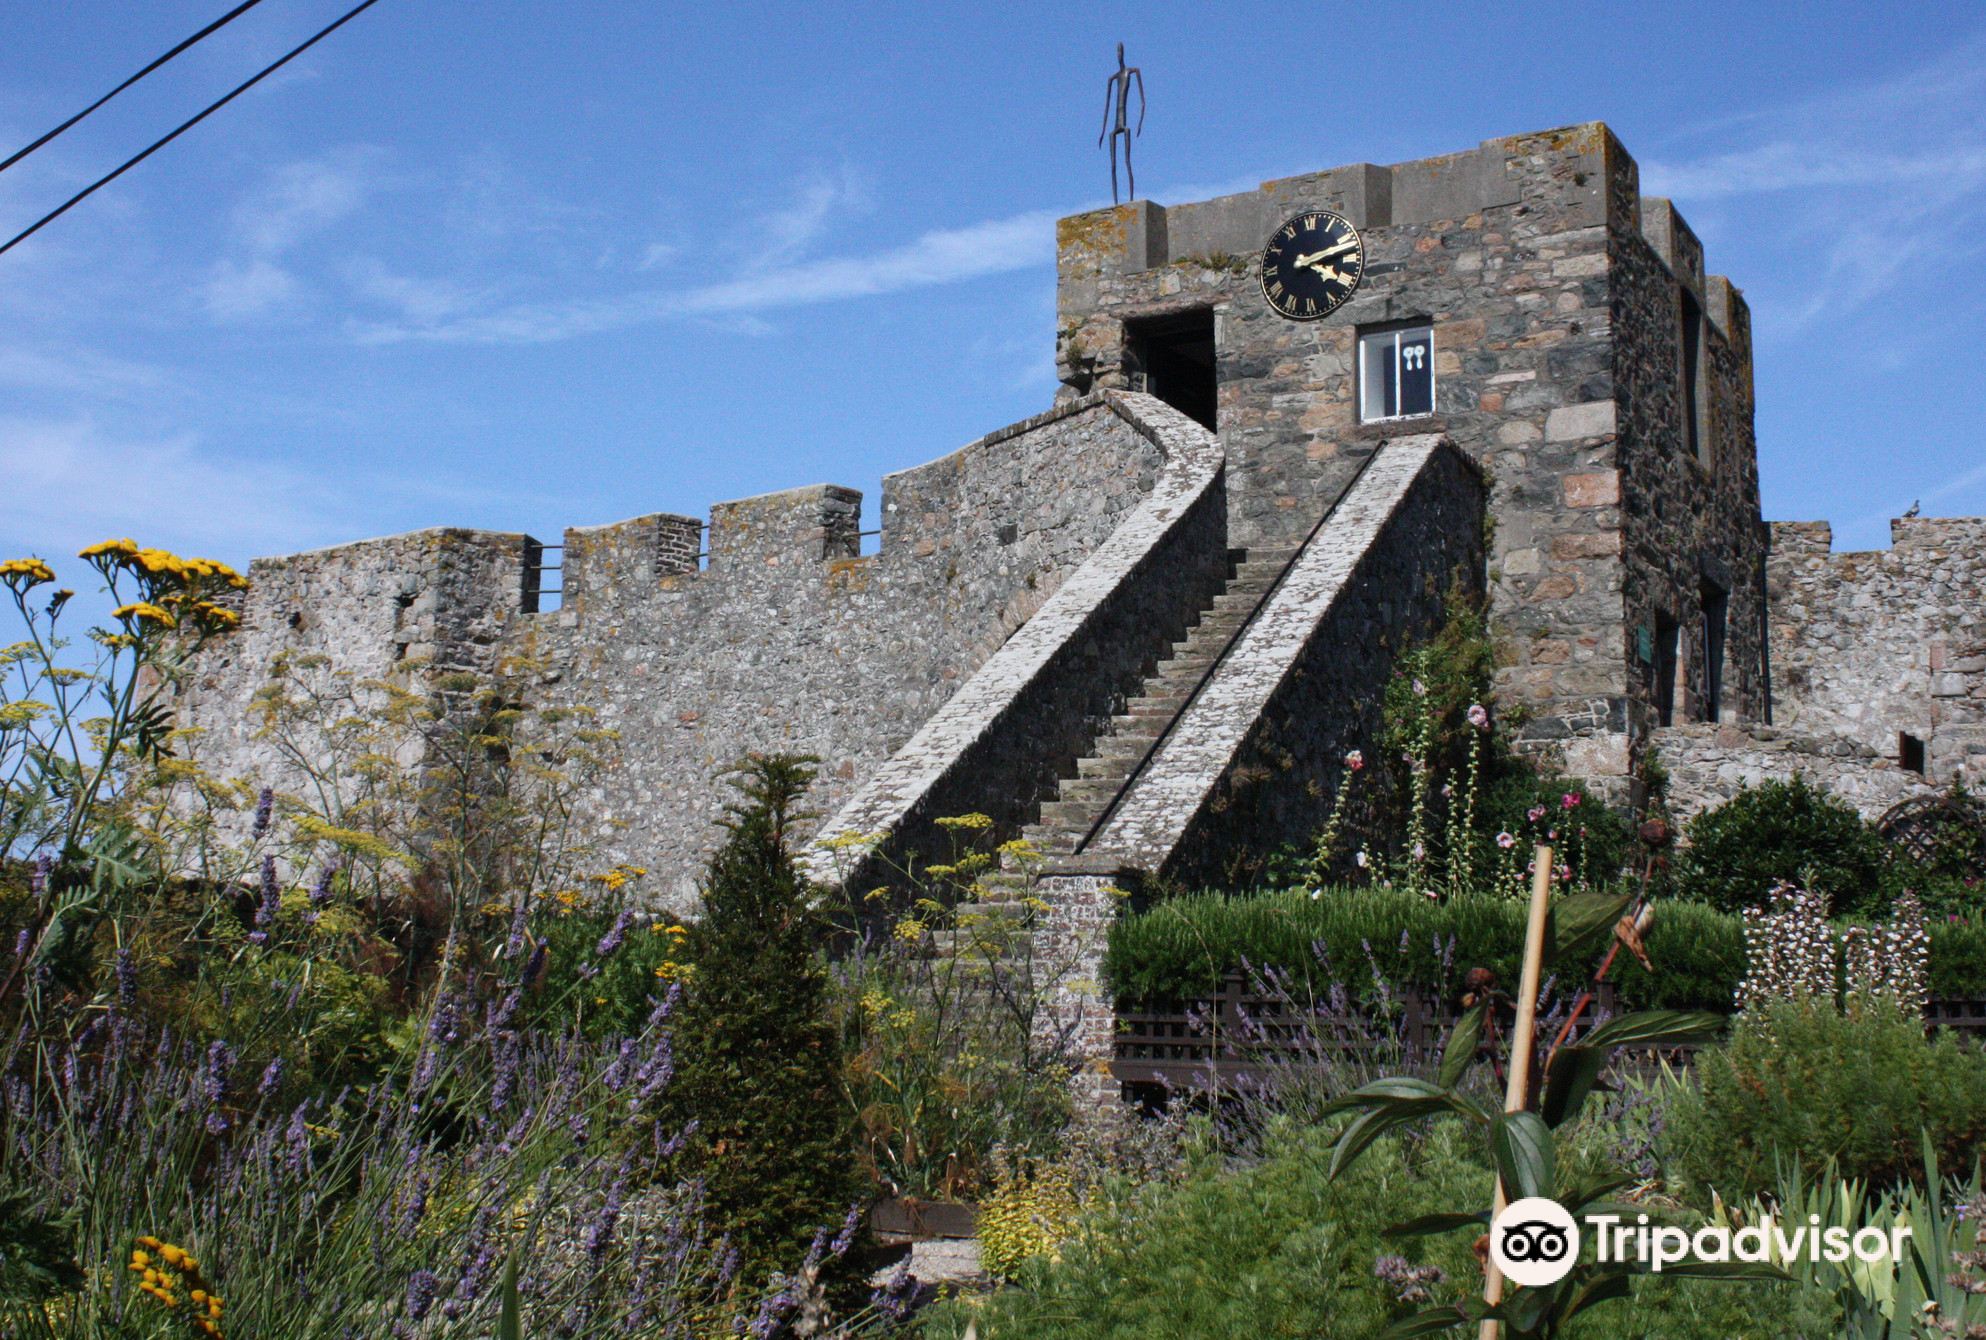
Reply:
x=421 y=1288
x=654 y=1076
x=600 y=1235
x=127 y=977
x=220 y=1060
x=533 y=965
x=892 y=1301
x=44 y=866
x=320 y=892
x=842 y=1239
x=21 y=943
x=514 y=944
x=615 y=1076
x=272 y=1075
x=611 y=942
x=265 y=804
x=506 y=1075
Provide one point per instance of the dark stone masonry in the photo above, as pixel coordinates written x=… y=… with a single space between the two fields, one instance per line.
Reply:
x=1174 y=596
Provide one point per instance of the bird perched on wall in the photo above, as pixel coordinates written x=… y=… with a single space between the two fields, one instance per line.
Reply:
x=1914 y=508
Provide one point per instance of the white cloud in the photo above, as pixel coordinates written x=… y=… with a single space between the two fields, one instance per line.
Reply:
x=412 y=299
x=941 y=256
x=656 y=254
x=302 y=199
x=246 y=290
x=1864 y=188
x=785 y=234
x=76 y=370
x=72 y=483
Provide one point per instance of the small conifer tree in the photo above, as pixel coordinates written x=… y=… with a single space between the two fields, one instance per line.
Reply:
x=758 y=1058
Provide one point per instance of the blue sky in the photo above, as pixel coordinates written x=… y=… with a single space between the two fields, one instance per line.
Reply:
x=534 y=265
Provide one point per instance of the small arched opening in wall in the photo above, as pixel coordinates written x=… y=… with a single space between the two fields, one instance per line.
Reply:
x=1172 y=357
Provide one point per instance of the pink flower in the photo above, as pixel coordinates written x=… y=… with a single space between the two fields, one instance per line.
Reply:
x=1478 y=716
x=1571 y=800
x=1355 y=760
x=1420 y=689
x=1535 y=813
x=1505 y=841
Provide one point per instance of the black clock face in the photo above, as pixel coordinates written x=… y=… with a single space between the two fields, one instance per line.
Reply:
x=1312 y=265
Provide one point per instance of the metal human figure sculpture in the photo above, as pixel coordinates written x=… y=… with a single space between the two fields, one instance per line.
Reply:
x=1117 y=92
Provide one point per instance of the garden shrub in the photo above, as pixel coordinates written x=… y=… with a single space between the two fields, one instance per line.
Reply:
x=1181 y=948
x=757 y=1051
x=1365 y=939
x=1958 y=960
x=1278 y=1248
x=1271 y=1249
x=1032 y=1210
x=1807 y=1082
x=1783 y=831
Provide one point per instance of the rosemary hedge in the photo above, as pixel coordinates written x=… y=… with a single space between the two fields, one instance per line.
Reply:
x=1370 y=940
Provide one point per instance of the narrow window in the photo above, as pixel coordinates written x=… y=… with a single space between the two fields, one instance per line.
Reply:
x=1692 y=369
x=1666 y=636
x=1396 y=373
x=1910 y=752
x=1716 y=609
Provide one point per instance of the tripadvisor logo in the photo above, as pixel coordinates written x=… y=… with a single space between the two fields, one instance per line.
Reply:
x=1535 y=1242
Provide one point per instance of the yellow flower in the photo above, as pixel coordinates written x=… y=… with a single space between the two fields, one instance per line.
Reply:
x=969 y=821
x=125 y=548
x=494 y=909
x=32 y=569
x=145 y=610
x=910 y=930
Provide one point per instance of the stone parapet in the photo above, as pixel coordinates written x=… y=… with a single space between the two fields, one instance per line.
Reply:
x=1708 y=764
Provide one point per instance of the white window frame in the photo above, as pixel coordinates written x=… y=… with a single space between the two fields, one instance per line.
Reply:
x=1365 y=340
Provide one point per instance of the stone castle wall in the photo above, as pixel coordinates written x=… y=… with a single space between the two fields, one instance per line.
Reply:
x=1689 y=520
x=787 y=640
x=1870 y=646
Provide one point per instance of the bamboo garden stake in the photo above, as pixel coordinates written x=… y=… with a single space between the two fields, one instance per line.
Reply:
x=1517 y=1090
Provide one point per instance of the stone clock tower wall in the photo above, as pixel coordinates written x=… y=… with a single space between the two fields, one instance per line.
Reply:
x=1556 y=298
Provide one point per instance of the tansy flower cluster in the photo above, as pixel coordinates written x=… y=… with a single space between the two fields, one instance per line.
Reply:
x=161 y=1267
x=173 y=591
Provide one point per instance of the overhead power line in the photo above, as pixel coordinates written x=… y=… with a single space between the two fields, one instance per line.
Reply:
x=184 y=126
x=214 y=27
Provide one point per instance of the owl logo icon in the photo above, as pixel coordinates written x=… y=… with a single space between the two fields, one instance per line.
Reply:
x=1534 y=1242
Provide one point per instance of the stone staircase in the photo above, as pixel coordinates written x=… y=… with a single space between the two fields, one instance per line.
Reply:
x=1116 y=754
x=984 y=931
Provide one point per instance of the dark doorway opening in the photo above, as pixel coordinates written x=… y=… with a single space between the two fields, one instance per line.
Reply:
x=1910 y=752
x=1172 y=358
x=1666 y=631
x=1716 y=610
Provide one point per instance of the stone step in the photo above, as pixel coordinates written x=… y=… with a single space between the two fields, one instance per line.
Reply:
x=1126 y=749
x=1071 y=815
x=1104 y=769
x=1086 y=789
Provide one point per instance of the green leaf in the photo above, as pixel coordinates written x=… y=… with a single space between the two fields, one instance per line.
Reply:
x=1431 y=1322
x=1569 y=1081
x=1358 y=1136
x=1609 y=1283
x=1659 y=1028
x=1582 y=923
x=1526 y=1156
x=510 y=1323
x=1429 y=1224
x=1463 y=1040
x=1383 y=1090
x=1724 y=1270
